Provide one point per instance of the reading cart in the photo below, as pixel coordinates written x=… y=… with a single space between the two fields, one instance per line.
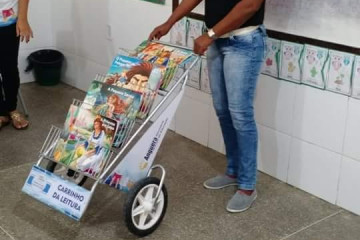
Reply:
x=128 y=168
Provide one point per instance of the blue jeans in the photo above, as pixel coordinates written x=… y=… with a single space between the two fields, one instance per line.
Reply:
x=234 y=65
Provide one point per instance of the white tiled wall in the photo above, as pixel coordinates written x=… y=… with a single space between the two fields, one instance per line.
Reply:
x=273 y=152
x=314 y=169
x=192 y=120
x=320 y=117
x=349 y=186
x=274 y=104
x=40 y=21
x=352 y=136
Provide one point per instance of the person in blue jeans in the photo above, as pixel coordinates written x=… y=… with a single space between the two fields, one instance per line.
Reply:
x=235 y=45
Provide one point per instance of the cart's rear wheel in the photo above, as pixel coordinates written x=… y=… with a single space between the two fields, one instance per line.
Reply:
x=144 y=213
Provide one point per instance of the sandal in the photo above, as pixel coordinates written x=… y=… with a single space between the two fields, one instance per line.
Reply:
x=19 y=122
x=4 y=120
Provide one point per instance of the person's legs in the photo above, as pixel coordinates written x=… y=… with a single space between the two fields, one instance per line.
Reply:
x=9 y=52
x=242 y=63
x=215 y=62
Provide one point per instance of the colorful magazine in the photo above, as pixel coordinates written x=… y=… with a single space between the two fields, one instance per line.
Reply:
x=290 y=61
x=356 y=78
x=313 y=63
x=87 y=146
x=114 y=102
x=271 y=63
x=339 y=72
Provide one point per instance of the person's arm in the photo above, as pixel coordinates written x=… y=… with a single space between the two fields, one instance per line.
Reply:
x=23 y=28
x=183 y=9
x=242 y=12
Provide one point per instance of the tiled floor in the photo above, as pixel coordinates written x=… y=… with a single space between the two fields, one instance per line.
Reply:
x=281 y=211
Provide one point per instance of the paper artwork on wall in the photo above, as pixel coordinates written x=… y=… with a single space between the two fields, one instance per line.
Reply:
x=178 y=33
x=290 y=61
x=162 y=2
x=204 y=78
x=356 y=79
x=313 y=63
x=195 y=30
x=271 y=63
x=339 y=72
x=194 y=75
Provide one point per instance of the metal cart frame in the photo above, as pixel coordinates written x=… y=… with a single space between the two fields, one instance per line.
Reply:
x=147 y=199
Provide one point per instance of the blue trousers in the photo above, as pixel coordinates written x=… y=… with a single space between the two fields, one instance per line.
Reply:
x=234 y=65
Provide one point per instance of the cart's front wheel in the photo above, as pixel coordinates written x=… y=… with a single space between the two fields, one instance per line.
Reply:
x=143 y=211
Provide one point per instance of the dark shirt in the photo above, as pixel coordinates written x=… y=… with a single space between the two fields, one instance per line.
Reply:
x=216 y=10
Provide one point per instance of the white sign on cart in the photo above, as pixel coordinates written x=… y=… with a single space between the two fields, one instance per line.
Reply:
x=56 y=192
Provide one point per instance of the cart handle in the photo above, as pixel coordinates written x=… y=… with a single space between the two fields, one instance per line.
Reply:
x=163 y=173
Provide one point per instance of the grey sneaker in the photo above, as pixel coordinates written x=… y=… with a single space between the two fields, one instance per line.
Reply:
x=219 y=182
x=241 y=202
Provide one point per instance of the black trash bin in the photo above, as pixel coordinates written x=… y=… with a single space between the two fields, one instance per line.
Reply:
x=47 y=66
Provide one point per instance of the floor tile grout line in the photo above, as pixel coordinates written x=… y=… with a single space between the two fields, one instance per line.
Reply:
x=12 y=238
x=313 y=224
x=14 y=167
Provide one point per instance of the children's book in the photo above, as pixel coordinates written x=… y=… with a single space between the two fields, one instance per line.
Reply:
x=290 y=61
x=166 y=56
x=339 y=72
x=70 y=118
x=86 y=146
x=138 y=76
x=271 y=63
x=204 y=78
x=313 y=64
x=114 y=102
x=178 y=32
x=195 y=30
x=356 y=79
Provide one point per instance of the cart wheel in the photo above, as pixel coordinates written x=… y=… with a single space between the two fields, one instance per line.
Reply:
x=142 y=214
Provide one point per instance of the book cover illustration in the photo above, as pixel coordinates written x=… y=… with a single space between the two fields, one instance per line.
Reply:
x=166 y=56
x=114 y=102
x=195 y=30
x=87 y=146
x=70 y=118
x=204 y=78
x=136 y=75
x=290 y=61
x=339 y=72
x=356 y=78
x=313 y=63
x=271 y=63
x=178 y=32
x=119 y=68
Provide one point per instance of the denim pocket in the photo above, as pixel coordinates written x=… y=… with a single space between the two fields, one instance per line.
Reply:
x=246 y=39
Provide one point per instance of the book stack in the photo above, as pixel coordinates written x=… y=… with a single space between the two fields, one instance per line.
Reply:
x=108 y=113
x=166 y=56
